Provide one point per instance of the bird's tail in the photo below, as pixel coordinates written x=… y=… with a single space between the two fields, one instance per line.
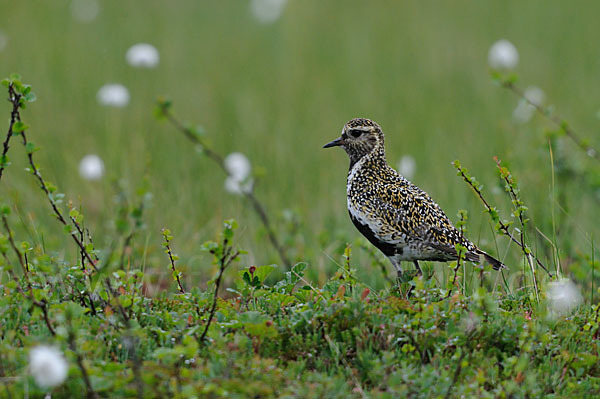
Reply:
x=496 y=264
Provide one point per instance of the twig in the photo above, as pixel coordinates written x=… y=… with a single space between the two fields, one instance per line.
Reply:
x=220 y=161
x=43 y=305
x=561 y=123
x=260 y=210
x=13 y=246
x=75 y=234
x=461 y=252
x=226 y=258
x=519 y=209
x=506 y=176
x=167 y=236
x=15 y=100
x=494 y=213
x=35 y=171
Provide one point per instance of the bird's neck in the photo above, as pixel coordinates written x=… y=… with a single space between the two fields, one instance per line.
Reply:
x=372 y=159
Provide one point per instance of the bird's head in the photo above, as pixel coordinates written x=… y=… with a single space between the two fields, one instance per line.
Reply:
x=360 y=137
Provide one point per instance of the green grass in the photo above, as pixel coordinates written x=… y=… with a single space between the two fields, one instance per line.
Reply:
x=277 y=93
x=290 y=339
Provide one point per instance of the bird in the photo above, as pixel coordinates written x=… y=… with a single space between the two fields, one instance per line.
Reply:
x=396 y=216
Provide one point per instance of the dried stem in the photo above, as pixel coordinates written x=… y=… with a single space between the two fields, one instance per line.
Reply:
x=225 y=260
x=501 y=225
x=461 y=251
x=55 y=209
x=13 y=246
x=220 y=161
x=77 y=235
x=217 y=158
x=260 y=210
x=15 y=99
x=167 y=236
x=43 y=305
x=78 y=232
x=561 y=123
x=519 y=209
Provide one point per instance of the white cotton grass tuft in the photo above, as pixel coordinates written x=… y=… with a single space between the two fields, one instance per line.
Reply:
x=85 y=10
x=239 y=168
x=237 y=165
x=113 y=95
x=407 y=166
x=234 y=186
x=142 y=55
x=267 y=11
x=525 y=110
x=91 y=167
x=48 y=366
x=562 y=297
x=503 y=55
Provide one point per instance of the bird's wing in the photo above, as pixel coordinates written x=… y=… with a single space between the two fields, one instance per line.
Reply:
x=413 y=212
x=451 y=252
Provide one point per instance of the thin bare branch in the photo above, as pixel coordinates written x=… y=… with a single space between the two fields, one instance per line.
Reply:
x=562 y=124
x=167 y=235
x=501 y=225
x=220 y=161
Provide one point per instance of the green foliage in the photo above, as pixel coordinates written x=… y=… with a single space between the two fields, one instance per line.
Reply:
x=280 y=341
x=278 y=334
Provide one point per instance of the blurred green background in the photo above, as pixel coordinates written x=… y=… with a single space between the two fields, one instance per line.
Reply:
x=277 y=90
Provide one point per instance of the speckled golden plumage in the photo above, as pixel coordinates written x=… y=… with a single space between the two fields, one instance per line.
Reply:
x=392 y=213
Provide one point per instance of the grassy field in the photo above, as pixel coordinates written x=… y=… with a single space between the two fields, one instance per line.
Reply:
x=277 y=92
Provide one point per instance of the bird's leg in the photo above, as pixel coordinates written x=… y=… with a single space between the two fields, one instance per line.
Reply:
x=398 y=267
x=419 y=271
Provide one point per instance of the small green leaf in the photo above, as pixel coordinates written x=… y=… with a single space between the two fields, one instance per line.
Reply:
x=19 y=127
x=30 y=97
x=31 y=148
x=4 y=162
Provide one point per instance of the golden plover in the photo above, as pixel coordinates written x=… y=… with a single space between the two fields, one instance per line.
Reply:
x=396 y=216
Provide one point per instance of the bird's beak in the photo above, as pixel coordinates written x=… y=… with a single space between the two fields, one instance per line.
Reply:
x=334 y=143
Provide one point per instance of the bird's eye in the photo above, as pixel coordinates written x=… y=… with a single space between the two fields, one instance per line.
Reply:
x=355 y=132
